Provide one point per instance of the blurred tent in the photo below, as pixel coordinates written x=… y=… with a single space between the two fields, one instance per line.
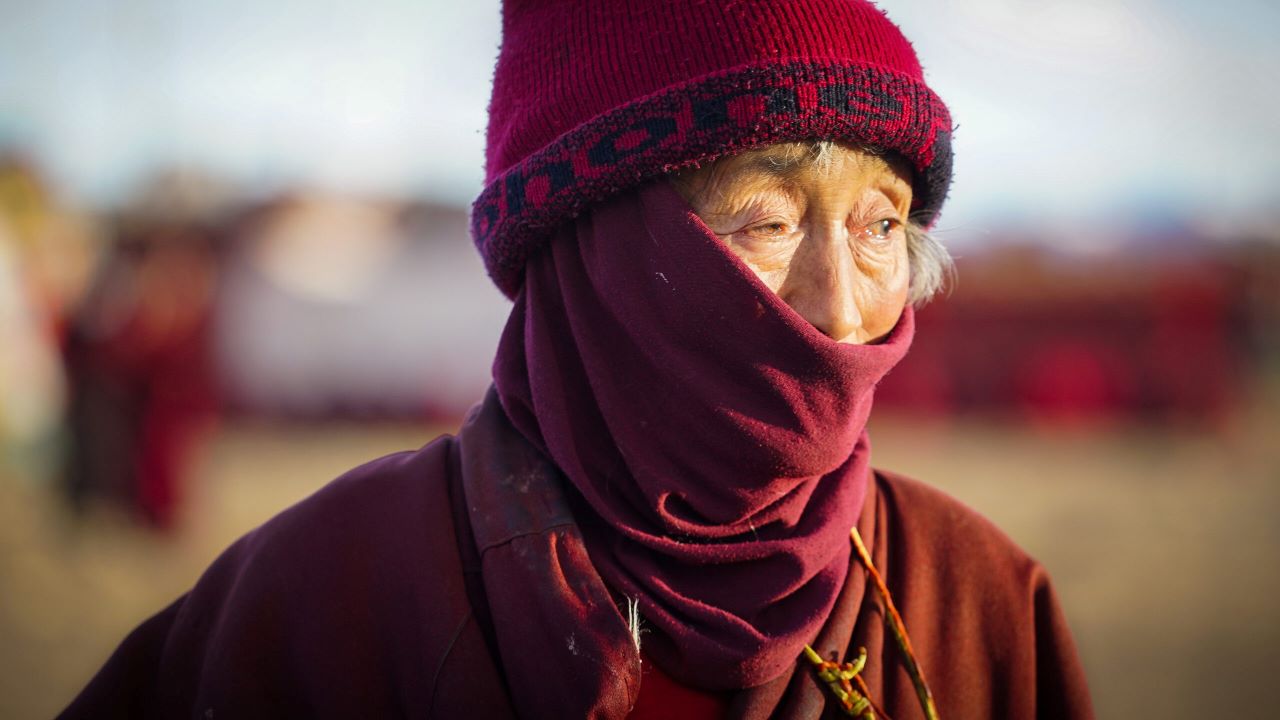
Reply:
x=343 y=306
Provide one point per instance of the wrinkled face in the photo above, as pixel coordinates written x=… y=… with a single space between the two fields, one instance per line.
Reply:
x=826 y=234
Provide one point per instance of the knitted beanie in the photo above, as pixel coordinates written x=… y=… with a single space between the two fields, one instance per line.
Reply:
x=592 y=97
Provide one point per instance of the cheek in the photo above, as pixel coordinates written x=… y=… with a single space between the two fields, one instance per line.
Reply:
x=771 y=265
x=882 y=292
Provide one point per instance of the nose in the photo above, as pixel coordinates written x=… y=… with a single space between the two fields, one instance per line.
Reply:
x=822 y=283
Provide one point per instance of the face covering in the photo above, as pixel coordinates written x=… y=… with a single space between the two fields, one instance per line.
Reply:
x=714 y=441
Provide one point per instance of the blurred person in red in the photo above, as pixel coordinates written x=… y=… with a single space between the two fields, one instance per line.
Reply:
x=139 y=365
x=712 y=221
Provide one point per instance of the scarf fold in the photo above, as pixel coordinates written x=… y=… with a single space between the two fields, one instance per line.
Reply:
x=564 y=647
x=715 y=440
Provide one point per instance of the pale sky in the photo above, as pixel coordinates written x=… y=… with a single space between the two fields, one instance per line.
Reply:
x=1069 y=111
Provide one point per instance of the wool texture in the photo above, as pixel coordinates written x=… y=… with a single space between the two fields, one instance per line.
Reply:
x=715 y=439
x=593 y=97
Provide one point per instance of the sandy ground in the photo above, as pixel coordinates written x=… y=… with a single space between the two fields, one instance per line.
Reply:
x=1164 y=546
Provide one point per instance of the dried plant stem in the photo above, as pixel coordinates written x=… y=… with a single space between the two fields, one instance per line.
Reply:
x=898 y=629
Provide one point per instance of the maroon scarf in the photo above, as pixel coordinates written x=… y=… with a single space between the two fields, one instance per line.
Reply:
x=715 y=438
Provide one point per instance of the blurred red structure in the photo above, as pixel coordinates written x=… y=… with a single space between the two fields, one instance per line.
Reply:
x=1079 y=340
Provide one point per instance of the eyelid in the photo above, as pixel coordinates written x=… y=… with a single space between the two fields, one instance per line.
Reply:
x=895 y=224
x=786 y=227
x=875 y=206
x=765 y=207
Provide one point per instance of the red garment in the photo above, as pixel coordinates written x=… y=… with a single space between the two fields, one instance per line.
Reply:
x=663 y=698
x=355 y=602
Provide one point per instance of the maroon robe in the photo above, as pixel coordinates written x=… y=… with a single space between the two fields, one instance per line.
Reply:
x=366 y=600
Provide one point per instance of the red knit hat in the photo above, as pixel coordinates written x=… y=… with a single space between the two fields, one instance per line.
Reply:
x=591 y=97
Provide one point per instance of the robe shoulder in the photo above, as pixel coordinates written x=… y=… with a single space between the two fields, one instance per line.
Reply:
x=350 y=603
x=982 y=613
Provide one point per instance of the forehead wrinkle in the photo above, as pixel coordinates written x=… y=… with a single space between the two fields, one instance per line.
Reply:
x=871 y=202
x=756 y=199
x=733 y=181
x=781 y=167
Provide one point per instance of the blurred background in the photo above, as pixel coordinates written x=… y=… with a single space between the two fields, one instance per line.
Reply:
x=234 y=263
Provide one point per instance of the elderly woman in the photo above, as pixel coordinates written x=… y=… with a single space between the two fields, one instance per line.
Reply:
x=711 y=218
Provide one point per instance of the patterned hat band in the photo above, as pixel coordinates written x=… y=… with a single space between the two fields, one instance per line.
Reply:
x=705 y=118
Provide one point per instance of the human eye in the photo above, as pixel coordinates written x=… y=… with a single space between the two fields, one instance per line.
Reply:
x=881 y=231
x=768 y=230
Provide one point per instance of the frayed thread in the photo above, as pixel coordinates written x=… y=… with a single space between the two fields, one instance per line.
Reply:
x=633 y=620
